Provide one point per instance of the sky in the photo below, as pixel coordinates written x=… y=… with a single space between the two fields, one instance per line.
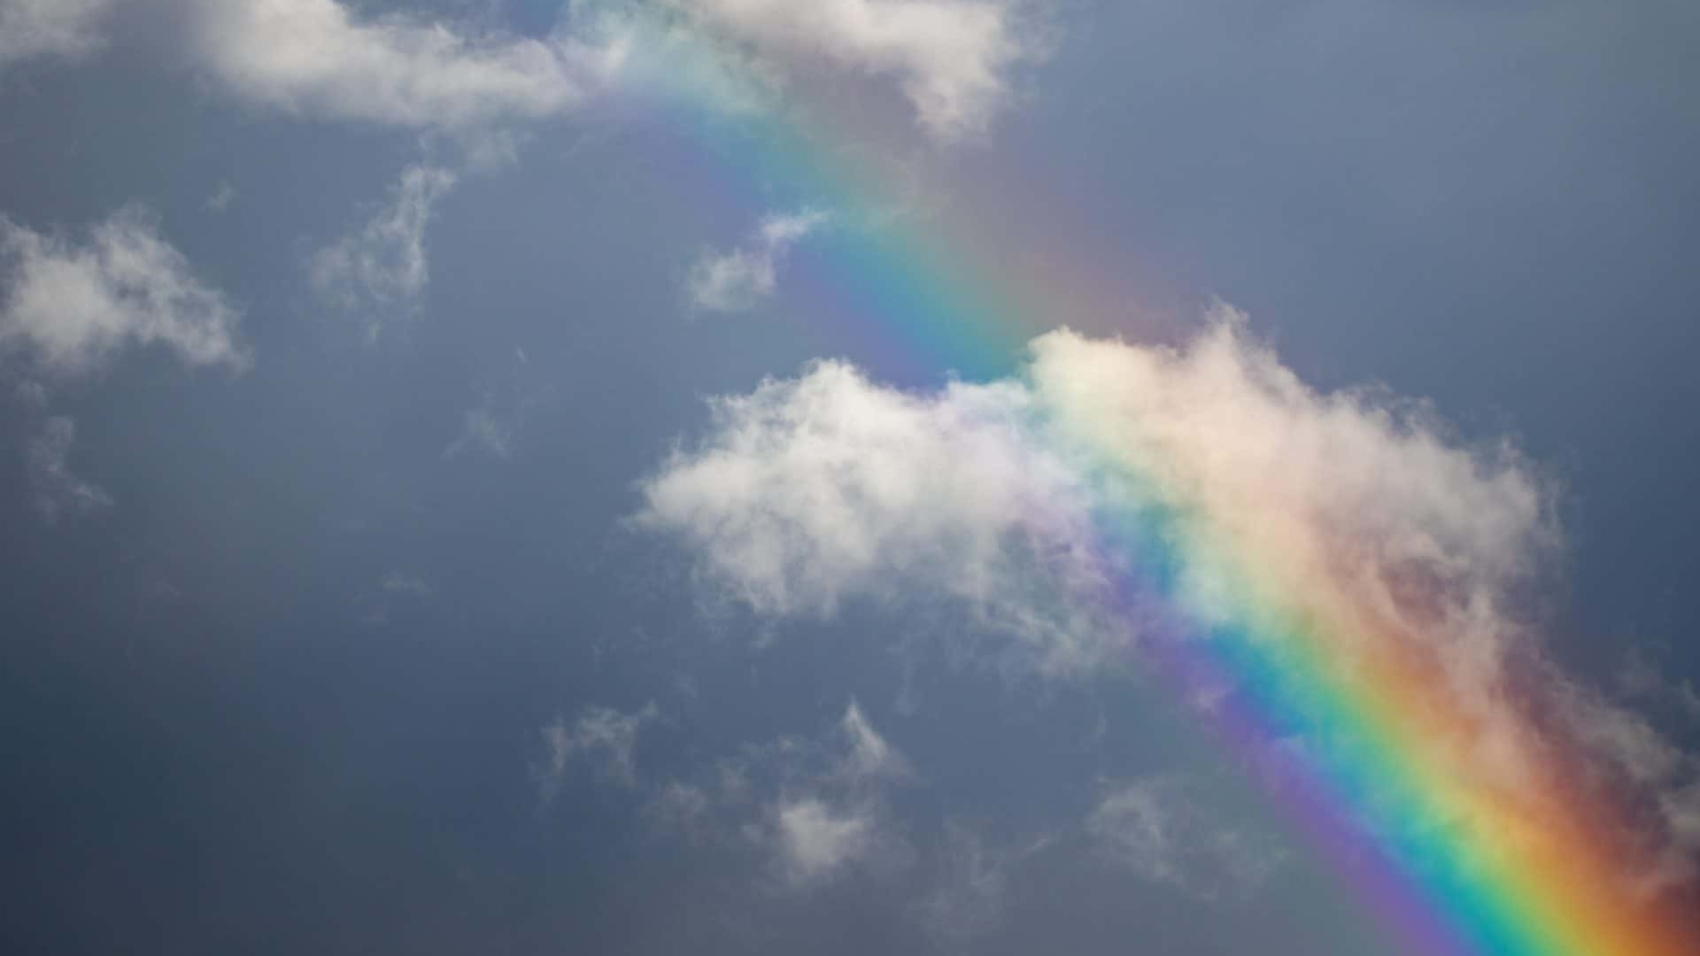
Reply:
x=910 y=476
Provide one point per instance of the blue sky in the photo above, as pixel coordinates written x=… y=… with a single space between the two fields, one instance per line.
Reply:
x=376 y=582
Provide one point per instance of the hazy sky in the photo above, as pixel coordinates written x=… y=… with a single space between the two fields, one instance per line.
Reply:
x=508 y=476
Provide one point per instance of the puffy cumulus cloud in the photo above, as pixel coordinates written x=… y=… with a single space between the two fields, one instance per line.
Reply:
x=320 y=60
x=1114 y=494
x=602 y=732
x=738 y=280
x=383 y=265
x=57 y=490
x=31 y=29
x=1162 y=830
x=72 y=306
x=829 y=487
x=950 y=57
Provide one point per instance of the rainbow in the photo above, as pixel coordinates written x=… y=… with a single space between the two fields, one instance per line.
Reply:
x=1454 y=865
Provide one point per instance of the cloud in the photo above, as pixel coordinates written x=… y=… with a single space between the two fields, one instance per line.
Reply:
x=1642 y=680
x=811 y=492
x=829 y=821
x=399 y=582
x=41 y=29
x=870 y=757
x=220 y=200
x=972 y=879
x=815 y=839
x=813 y=810
x=71 y=307
x=481 y=430
x=319 y=60
x=493 y=427
x=58 y=492
x=950 y=57
x=609 y=734
x=738 y=280
x=1115 y=495
x=1160 y=828
x=383 y=265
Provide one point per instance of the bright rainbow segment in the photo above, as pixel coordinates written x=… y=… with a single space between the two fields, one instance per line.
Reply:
x=1373 y=758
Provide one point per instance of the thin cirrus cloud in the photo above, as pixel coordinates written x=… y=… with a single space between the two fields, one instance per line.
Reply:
x=1160 y=829
x=71 y=307
x=826 y=489
x=58 y=491
x=827 y=820
x=383 y=265
x=50 y=29
x=601 y=733
x=812 y=811
x=741 y=279
x=966 y=896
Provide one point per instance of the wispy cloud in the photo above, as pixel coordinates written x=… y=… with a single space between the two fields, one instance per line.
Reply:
x=383 y=266
x=739 y=280
x=50 y=29
x=1162 y=830
x=59 y=492
x=221 y=198
x=72 y=306
x=599 y=732
x=971 y=880
x=813 y=810
x=493 y=427
x=400 y=582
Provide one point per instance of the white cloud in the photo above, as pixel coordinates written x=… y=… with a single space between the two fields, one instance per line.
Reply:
x=810 y=492
x=1159 y=828
x=738 y=280
x=950 y=57
x=870 y=757
x=31 y=29
x=71 y=307
x=812 y=810
x=833 y=818
x=383 y=265
x=57 y=491
x=1027 y=501
x=602 y=731
x=816 y=839
x=320 y=60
